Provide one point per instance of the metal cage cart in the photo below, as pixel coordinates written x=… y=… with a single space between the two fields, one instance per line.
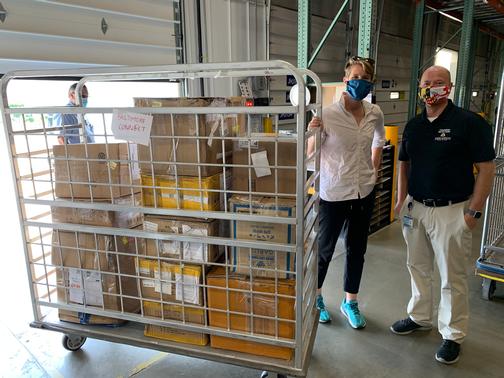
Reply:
x=187 y=223
x=490 y=264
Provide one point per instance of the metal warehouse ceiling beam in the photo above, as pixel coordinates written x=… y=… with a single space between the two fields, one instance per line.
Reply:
x=303 y=43
x=497 y=5
x=365 y=28
x=448 y=9
x=328 y=32
x=415 y=57
x=457 y=16
x=465 y=57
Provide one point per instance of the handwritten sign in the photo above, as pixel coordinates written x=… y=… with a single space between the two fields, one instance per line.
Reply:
x=132 y=127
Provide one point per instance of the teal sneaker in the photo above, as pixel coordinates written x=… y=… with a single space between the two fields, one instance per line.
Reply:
x=351 y=311
x=324 y=314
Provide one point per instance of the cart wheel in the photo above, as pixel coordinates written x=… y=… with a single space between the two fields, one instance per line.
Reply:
x=73 y=342
x=488 y=287
x=265 y=374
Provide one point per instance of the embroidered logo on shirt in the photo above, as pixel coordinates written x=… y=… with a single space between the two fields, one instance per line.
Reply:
x=444 y=135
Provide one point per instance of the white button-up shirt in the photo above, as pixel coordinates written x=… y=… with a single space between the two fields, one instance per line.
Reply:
x=345 y=164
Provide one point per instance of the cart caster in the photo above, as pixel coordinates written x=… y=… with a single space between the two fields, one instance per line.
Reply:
x=488 y=287
x=73 y=342
x=265 y=374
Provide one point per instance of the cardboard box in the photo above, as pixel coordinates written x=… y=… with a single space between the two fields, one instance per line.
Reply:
x=261 y=155
x=170 y=151
x=252 y=261
x=192 y=251
x=92 y=163
x=260 y=303
x=78 y=276
x=192 y=195
x=122 y=219
x=175 y=312
x=175 y=283
x=87 y=319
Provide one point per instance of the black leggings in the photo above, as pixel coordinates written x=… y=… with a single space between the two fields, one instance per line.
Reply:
x=354 y=217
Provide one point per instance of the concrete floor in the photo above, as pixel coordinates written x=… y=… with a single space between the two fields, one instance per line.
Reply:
x=339 y=350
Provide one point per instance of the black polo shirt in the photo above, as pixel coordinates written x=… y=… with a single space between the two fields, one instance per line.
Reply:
x=441 y=154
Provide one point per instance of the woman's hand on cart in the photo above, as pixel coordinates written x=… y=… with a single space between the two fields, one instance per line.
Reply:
x=316 y=122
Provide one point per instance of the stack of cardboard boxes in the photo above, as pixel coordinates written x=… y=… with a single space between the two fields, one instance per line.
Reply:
x=183 y=172
x=259 y=287
x=179 y=280
x=90 y=267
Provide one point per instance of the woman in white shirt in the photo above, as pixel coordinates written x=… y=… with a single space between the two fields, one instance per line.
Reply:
x=353 y=138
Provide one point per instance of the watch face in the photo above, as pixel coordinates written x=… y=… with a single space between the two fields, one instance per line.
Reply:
x=473 y=213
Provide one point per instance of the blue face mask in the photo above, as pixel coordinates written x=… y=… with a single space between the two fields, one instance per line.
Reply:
x=359 y=89
x=84 y=102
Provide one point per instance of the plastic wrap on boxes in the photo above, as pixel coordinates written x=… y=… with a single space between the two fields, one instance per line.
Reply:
x=93 y=217
x=256 y=299
x=166 y=149
x=170 y=283
x=256 y=261
x=86 y=273
x=192 y=194
x=98 y=171
x=192 y=251
x=179 y=313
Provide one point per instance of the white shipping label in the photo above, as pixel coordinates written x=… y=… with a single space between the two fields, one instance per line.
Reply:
x=135 y=167
x=150 y=226
x=188 y=230
x=197 y=199
x=93 y=288
x=215 y=125
x=194 y=251
x=188 y=289
x=132 y=127
x=164 y=287
x=260 y=163
x=144 y=271
x=76 y=288
x=245 y=143
x=169 y=247
x=148 y=283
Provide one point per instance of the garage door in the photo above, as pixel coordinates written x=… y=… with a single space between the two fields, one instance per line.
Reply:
x=69 y=33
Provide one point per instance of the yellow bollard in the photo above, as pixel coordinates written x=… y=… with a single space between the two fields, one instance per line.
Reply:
x=392 y=134
x=267 y=125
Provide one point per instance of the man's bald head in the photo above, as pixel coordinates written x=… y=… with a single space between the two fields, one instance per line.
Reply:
x=435 y=75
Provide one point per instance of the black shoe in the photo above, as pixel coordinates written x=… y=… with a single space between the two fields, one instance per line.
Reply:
x=448 y=352
x=406 y=326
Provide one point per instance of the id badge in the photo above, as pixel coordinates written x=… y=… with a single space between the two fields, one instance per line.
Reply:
x=408 y=221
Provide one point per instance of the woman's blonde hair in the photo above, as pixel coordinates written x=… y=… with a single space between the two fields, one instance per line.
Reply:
x=367 y=65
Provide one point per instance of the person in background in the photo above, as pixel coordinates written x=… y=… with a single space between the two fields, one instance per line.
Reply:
x=439 y=203
x=68 y=134
x=353 y=138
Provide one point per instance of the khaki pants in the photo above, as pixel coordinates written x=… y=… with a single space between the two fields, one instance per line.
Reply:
x=440 y=234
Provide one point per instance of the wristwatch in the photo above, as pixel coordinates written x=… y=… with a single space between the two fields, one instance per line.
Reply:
x=473 y=213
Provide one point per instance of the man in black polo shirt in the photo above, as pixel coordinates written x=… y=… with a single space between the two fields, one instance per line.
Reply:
x=439 y=203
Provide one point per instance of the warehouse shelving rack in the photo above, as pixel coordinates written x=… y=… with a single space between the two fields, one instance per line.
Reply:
x=490 y=264
x=30 y=141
